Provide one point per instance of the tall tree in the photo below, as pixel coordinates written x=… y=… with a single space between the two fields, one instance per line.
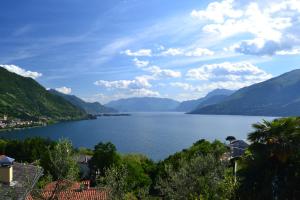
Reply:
x=105 y=155
x=271 y=168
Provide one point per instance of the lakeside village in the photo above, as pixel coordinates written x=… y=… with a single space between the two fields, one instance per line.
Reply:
x=7 y=123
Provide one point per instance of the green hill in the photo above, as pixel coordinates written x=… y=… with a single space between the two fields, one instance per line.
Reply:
x=212 y=97
x=91 y=108
x=24 y=98
x=279 y=96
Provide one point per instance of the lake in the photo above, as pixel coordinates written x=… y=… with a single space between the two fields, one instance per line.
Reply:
x=156 y=135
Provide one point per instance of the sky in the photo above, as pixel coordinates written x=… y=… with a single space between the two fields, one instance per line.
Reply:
x=111 y=49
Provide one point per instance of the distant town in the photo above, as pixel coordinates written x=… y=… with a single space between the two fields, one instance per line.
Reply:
x=7 y=123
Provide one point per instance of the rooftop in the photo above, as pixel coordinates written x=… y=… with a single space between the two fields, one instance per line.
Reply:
x=76 y=192
x=24 y=177
x=238 y=148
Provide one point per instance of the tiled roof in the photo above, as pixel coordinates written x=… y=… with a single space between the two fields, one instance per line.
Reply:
x=76 y=193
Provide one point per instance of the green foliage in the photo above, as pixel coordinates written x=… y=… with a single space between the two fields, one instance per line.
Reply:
x=62 y=161
x=201 y=147
x=202 y=177
x=139 y=169
x=84 y=151
x=115 y=180
x=271 y=167
x=24 y=98
x=27 y=150
x=105 y=155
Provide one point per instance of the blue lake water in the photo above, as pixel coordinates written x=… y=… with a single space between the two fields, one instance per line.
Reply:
x=154 y=134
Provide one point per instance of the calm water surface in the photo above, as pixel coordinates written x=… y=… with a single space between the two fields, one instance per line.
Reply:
x=154 y=134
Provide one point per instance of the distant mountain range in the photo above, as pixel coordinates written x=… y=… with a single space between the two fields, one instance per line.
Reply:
x=90 y=108
x=212 y=97
x=24 y=98
x=144 y=104
x=279 y=96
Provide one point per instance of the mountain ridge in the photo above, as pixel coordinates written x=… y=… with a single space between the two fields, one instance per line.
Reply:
x=278 y=96
x=92 y=108
x=213 y=97
x=24 y=98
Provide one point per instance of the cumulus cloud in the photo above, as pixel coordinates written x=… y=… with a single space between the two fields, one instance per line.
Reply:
x=274 y=26
x=64 y=90
x=158 y=72
x=237 y=72
x=218 y=11
x=140 y=63
x=141 y=52
x=22 y=72
x=172 y=52
x=137 y=83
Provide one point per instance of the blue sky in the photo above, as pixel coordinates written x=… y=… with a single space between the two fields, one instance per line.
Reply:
x=110 y=49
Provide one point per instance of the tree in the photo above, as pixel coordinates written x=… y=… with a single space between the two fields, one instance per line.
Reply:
x=202 y=177
x=105 y=155
x=115 y=179
x=64 y=171
x=271 y=167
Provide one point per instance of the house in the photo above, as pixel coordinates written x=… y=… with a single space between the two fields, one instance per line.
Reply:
x=83 y=162
x=237 y=148
x=17 y=179
x=75 y=191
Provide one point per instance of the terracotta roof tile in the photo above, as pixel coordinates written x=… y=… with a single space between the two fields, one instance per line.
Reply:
x=76 y=193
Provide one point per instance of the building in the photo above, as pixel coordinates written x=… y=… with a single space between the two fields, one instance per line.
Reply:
x=83 y=162
x=17 y=179
x=76 y=191
x=237 y=149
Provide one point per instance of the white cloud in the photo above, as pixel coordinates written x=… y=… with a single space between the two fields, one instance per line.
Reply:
x=273 y=26
x=140 y=63
x=172 y=52
x=104 y=98
x=64 y=90
x=218 y=11
x=137 y=83
x=141 y=52
x=197 y=52
x=22 y=72
x=295 y=51
x=237 y=72
x=158 y=72
x=144 y=93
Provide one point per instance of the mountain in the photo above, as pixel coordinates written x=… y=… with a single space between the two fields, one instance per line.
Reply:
x=144 y=104
x=91 y=108
x=24 y=98
x=279 y=96
x=212 y=97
